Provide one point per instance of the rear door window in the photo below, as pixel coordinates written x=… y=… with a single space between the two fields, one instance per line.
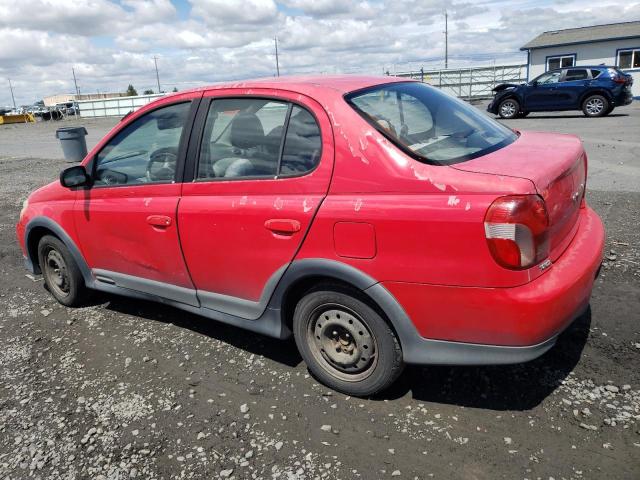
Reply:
x=576 y=74
x=257 y=138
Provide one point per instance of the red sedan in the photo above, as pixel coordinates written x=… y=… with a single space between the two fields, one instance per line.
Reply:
x=379 y=221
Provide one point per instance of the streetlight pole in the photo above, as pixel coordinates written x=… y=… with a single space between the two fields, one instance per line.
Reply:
x=12 y=97
x=155 y=60
x=73 y=70
x=277 y=61
x=446 y=40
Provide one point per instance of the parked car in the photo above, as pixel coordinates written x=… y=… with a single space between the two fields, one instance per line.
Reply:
x=380 y=221
x=596 y=90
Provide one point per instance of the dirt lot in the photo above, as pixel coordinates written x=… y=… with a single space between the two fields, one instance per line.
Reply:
x=129 y=389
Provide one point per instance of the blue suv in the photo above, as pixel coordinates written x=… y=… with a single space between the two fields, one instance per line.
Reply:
x=596 y=90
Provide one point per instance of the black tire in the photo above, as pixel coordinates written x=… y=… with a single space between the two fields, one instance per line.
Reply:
x=61 y=274
x=345 y=343
x=509 y=108
x=595 y=106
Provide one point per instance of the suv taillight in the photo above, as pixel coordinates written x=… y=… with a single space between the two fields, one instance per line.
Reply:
x=516 y=228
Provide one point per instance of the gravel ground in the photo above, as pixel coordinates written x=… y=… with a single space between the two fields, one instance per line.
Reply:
x=129 y=389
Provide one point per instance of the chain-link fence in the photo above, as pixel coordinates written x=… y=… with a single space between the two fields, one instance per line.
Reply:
x=473 y=83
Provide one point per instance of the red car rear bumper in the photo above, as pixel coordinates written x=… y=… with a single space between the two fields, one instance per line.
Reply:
x=530 y=315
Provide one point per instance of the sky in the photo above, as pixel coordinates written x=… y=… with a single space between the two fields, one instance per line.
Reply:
x=112 y=43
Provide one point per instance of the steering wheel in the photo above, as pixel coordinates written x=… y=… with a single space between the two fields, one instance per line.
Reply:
x=162 y=164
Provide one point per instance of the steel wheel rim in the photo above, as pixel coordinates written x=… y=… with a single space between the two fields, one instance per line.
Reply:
x=508 y=109
x=595 y=106
x=56 y=271
x=342 y=343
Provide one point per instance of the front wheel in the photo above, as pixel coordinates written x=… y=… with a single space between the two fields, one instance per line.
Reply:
x=509 y=108
x=345 y=343
x=61 y=274
x=595 y=106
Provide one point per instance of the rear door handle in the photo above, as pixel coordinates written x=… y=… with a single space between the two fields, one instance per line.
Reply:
x=282 y=226
x=159 y=221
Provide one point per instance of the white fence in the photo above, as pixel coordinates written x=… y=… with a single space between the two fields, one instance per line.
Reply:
x=471 y=83
x=114 y=107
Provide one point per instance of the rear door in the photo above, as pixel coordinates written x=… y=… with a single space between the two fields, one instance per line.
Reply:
x=574 y=82
x=262 y=166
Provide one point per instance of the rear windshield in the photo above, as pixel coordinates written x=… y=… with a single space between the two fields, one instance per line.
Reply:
x=428 y=124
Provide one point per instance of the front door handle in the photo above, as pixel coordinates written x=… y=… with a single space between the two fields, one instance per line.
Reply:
x=159 y=221
x=282 y=226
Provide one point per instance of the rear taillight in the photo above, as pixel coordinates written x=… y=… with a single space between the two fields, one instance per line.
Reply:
x=516 y=228
x=619 y=79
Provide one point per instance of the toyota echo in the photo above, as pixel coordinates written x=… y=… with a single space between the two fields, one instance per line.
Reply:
x=379 y=221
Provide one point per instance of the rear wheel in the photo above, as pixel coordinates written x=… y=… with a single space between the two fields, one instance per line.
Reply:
x=509 y=108
x=61 y=274
x=595 y=106
x=345 y=343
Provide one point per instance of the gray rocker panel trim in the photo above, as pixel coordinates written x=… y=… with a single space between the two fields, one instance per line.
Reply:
x=241 y=307
x=144 y=285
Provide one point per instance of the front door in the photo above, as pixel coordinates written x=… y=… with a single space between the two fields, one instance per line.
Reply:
x=542 y=93
x=264 y=165
x=126 y=221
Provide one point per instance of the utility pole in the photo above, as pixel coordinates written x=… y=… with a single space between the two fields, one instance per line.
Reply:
x=155 y=60
x=446 y=40
x=277 y=62
x=73 y=70
x=12 y=97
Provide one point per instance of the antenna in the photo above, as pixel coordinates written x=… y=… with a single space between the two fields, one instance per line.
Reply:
x=155 y=60
x=446 y=40
x=277 y=62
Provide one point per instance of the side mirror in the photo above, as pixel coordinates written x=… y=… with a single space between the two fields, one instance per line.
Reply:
x=75 y=176
x=534 y=83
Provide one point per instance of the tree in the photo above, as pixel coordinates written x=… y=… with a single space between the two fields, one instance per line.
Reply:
x=148 y=92
x=175 y=89
x=131 y=92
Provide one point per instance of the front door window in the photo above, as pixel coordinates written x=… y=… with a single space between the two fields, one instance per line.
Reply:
x=146 y=151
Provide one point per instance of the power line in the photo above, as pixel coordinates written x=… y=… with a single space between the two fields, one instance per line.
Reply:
x=155 y=60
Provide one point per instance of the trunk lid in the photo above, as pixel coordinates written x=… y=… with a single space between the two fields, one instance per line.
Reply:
x=556 y=164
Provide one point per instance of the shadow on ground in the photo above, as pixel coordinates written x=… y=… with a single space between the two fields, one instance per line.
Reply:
x=504 y=387
x=280 y=351
x=577 y=115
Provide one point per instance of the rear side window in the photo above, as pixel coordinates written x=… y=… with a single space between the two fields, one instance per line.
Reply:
x=428 y=124
x=595 y=73
x=257 y=138
x=576 y=74
x=302 y=144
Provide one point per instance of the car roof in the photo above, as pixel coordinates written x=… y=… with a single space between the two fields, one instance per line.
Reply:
x=307 y=85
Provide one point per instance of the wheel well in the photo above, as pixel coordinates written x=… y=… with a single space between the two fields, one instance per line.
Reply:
x=300 y=288
x=604 y=93
x=35 y=234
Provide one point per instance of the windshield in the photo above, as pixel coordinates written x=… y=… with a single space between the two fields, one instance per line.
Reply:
x=429 y=124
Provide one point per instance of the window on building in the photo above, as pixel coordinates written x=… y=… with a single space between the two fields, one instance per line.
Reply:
x=561 y=61
x=576 y=74
x=629 y=58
